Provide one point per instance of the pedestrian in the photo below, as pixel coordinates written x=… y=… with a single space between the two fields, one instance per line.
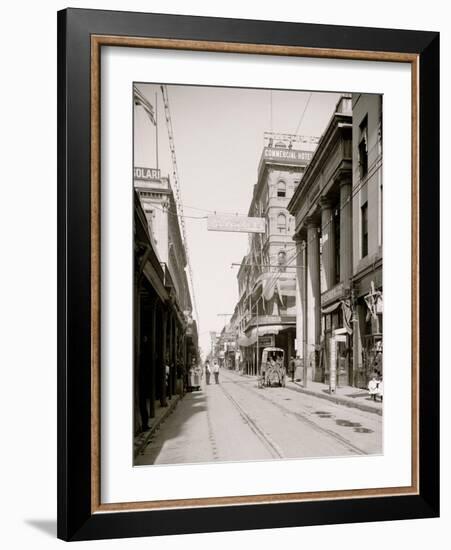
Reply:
x=380 y=388
x=162 y=389
x=216 y=371
x=263 y=373
x=292 y=368
x=167 y=374
x=207 y=372
x=373 y=386
x=298 y=368
x=180 y=377
x=192 y=375
x=144 y=383
x=197 y=374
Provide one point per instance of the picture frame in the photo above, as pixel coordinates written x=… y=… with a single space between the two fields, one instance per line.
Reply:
x=81 y=35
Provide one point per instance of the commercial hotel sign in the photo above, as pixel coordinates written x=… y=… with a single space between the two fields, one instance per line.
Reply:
x=287 y=154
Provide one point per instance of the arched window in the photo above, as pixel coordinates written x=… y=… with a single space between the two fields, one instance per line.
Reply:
x=281 y=189
x=281 y=223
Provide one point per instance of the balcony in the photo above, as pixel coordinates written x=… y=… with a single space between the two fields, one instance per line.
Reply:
x=167 y=280
x=270 y=320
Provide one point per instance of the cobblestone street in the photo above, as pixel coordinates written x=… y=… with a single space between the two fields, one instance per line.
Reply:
x=235 y=420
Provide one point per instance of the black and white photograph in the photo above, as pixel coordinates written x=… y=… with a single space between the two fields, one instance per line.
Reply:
x=258 y=274
x=225 y=249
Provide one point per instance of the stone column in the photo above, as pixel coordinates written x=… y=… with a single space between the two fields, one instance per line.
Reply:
x=137 y=355
x=313 y=295
x=170 y=353
x=162 y=360
x=346 y=230
x=176 y=345
x=300 y=296
x=153 y=362
x=328 y=241
x=357 y=348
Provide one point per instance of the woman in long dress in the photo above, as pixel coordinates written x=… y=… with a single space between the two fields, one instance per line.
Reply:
x=372 y=387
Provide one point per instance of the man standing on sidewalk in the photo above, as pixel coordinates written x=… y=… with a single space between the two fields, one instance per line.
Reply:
x=216 y=371
x=291 y=368
x=207 y=372
x=298 y=370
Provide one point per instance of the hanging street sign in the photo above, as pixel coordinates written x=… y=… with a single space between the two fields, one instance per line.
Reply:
x=236 y=223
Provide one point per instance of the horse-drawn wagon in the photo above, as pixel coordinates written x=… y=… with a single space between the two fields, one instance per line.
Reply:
x=272 y=368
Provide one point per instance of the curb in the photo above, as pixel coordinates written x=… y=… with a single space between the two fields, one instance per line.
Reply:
x=140 y=445
x=338 y=400
x=333 y=398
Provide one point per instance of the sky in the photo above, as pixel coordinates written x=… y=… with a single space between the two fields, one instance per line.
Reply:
x=218 y=136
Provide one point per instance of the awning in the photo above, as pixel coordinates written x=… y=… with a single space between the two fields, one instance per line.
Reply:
x=265 y=330
x=347 y=313
x=331 y=308
x=244 y=341
x=282 y=283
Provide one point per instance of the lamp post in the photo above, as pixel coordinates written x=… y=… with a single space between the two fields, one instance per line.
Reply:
x=225 y=315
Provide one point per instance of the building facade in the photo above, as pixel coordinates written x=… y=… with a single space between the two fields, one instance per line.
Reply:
x=165 y=332
x=339 y=265
x=323 y=211
x=367 y=206
x=266 y=312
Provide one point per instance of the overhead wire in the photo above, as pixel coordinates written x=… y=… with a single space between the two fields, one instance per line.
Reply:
x=177 y=194
x=303 y=114
x=375 y=167
x=176 y=215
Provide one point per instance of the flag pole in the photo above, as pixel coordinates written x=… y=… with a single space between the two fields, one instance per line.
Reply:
x=156 y=127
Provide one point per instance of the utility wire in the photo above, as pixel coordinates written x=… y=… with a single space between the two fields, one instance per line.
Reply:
x=375 y=167
x=168 y=211
x=377 y=164
x=303 y=113
x=178 y=197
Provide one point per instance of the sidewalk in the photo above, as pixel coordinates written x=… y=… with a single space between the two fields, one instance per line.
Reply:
x=161 y=413
x=344 y=395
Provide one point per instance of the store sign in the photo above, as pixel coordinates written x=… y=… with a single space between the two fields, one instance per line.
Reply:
x=146 y=174
x=266 y=341
x=287 y=154
x=236 y=223
x=335 y=293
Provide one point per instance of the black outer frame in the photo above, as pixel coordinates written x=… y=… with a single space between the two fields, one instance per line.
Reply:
x=75 y=520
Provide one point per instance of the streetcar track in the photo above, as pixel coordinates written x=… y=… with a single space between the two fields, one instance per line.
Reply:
x=342 y=440
x=273 y=448
x=211 y=437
